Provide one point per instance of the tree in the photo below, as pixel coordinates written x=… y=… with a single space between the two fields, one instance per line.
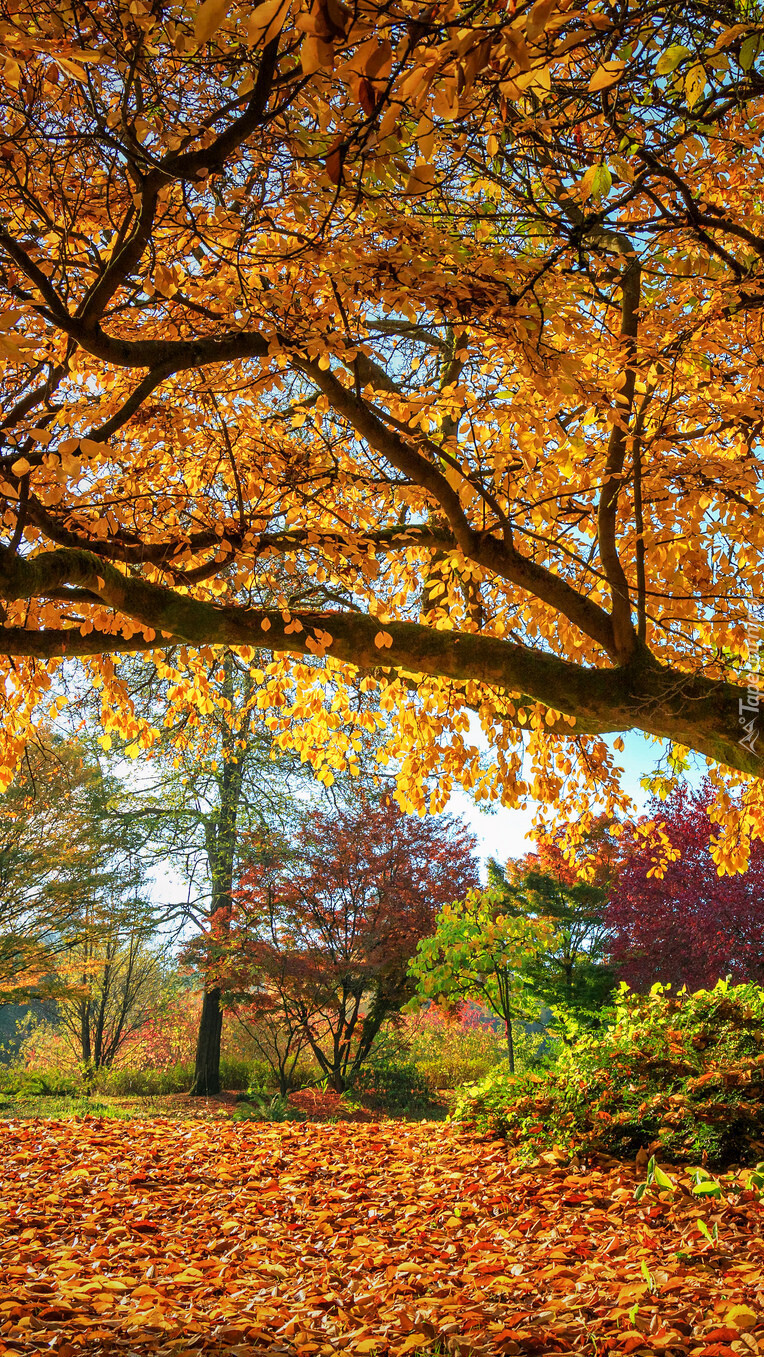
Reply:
x=481 y=951
x=687 y=926
x=461 y=316
x=318 y=940
x=572 y=973
x=60 y=850
x=119 y=981
x=203 y=793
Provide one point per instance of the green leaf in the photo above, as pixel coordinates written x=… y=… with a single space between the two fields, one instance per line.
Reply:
x=749 y=51
x=671 y=58
x=603 y=182
x=707 y=1189
x=662 y=1179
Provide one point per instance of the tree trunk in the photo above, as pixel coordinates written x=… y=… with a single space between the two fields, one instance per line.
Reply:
x=510 y=1046
x=207 y=1072
x=220 y=836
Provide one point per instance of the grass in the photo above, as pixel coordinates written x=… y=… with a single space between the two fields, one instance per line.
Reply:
x=175 y=1107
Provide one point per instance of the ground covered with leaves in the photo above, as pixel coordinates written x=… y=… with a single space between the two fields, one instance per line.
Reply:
x=301 y=1238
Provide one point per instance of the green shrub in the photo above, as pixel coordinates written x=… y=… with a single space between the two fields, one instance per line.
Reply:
x=450 y=1055
x=23 y=1083
x=234 y=1074
x=393 y=1085
x=684 y=1072
x=256 y=1108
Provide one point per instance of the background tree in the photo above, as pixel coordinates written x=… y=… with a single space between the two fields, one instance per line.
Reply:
x=572 y=974
x=61 y=850
x=688 y=926
x=433 y=344
x=481 y=951
x=206 y=789
x=325 y=924
x=119 y=980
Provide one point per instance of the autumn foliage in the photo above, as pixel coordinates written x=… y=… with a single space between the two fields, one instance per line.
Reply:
x=386 y=1239
x=421 y=347
x=688 y=926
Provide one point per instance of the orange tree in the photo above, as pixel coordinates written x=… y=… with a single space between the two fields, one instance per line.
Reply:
x=456 y=311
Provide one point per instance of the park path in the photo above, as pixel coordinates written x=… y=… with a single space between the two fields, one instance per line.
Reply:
x=393 y=1238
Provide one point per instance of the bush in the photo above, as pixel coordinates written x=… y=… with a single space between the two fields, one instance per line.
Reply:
x=393 y=1085
x=680 y=1073
x=148 y=1083
x=256 y=1108
x=448 y=1054
x=22 y=1083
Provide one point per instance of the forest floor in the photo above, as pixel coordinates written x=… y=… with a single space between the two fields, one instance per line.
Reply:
x=245 y=1239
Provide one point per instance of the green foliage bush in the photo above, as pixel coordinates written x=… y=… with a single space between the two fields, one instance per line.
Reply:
x=254 y=1107
x=449 y=1055
x=684 y=1072
x=18 y=1082
x=393 y=1085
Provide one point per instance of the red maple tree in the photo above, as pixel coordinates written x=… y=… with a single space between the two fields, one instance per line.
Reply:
x=322 y=929
x=691 y=926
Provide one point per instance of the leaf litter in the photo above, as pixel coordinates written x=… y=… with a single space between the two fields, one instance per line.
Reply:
x=390 y=1238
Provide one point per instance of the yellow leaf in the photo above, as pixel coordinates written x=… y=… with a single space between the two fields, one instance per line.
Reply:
x=21 y=467
x=13 y=348
x=694 y=84
x=609 y=73
x=414 y=1340
x=539 y=18
x=266 y=21
x=209 y=17
x=446 y=102
x=586 y=185
x=71 y=68
x=420 y=179
x=12 y=73
x=315 y=54
x=383 y=640
x=742 y=1316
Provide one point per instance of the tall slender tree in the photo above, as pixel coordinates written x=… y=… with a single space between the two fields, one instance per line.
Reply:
x=199 y=798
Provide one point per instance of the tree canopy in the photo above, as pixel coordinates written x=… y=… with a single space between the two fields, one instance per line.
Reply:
x=686 y=926
x=455 y=313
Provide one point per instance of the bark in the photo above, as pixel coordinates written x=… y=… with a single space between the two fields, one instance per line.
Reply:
x=510 y=1045
x=221 y=840
x=207 y=1072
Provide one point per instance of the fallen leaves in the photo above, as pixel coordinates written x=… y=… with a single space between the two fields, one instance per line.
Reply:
x=387 y=1238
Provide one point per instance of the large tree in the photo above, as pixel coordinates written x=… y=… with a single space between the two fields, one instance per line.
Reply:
x=459 y=312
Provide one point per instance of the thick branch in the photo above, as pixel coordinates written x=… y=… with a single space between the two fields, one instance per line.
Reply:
x=698 y=712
